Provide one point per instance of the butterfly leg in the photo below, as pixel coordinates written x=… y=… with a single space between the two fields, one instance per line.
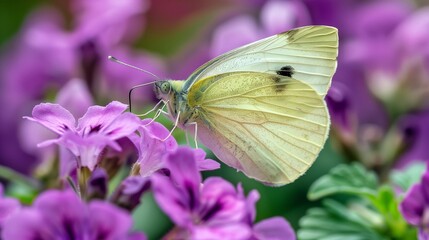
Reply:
x=153 y=109
x=174 y=127
x=157 y=114
x=195 y=133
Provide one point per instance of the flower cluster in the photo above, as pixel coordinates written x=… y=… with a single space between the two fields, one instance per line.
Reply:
x=415 y=206
x=62 y=215
x=212 y=209
x=102 y=160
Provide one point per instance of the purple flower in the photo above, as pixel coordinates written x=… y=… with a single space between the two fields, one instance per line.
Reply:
x=129 y=193
x=62 y=215
x=76 y=98
x=213 y=210
x=415 y=206
x=8 y=206
x=45 y=56
x=98 y=128
x=153 y=148
x=276 y=17
x=415 y=129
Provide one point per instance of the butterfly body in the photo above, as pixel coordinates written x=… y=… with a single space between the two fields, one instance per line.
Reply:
x=260 y=108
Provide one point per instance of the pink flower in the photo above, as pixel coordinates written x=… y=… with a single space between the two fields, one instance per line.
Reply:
x=99 y=128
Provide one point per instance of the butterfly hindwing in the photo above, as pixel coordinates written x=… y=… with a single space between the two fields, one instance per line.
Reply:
x=270 y=126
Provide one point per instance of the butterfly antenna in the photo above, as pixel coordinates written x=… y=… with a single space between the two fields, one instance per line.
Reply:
x=113 y=59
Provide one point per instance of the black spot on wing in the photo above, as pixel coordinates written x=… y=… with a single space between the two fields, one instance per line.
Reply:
x=286 y=71
x=279 y=83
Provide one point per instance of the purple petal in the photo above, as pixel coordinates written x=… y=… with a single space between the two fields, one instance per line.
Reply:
x=275 y=228
x=172 y=200
x=116 y=21
x=62 y=210
x=280 y=16
x=54 y=117
x=68 y=162
x=221 y=203
x=251 y=200
x=8 y=206
x=184 y=172
x=226 y=37
x=28 y=224
x=108 y=221
x=423 y=234
x=122 y=126
x=98 y=117
x=75 y=96
x=97 y=184
x=87 y=149
x=413 y=205
x=129 y=193
x=203 y=163
x=411 y=38
x=236 y=231
x=425 y=185
x=152 y=148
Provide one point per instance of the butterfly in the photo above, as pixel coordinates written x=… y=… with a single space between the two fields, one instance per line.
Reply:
x=260 y=108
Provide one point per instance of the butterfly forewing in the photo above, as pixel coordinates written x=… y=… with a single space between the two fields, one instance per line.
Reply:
x=311 y=52
x=269 y=126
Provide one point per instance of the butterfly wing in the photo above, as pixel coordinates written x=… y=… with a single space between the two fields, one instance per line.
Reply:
x=311 y=52
x=271 y=127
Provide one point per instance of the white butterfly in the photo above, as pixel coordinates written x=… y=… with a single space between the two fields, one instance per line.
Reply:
x=260 y=108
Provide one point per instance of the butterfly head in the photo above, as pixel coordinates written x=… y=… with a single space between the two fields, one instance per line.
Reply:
x=171 y=92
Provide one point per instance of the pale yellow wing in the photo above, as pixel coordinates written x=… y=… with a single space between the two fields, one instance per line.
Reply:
x=311 y=51
x=268 y=126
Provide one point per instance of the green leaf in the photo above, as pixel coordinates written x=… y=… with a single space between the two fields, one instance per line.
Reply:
x=335 y=221
x=350 y=179
x=387 y=205
x=411 y=175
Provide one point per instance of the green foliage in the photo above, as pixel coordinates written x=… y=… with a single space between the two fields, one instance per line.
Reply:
x=409 y=176
x=351 y=179
x=371 y=211
x=335 y=221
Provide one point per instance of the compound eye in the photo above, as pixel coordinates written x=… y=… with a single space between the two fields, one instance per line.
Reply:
x=165 y=87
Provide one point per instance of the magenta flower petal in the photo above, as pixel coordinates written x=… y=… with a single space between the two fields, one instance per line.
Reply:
x=275 y=228
x=152 y=149
x=107 y=221
x=182 y=163
x=172 y=200
x=87 y=149
x=220 y=195
x=226 y=37
x=98 y=117
x=54 y=117
x=203 y=163
x=280 y=16
x=62 y=215
x=129 y=193
x=236 y=231
x=26 y=225
x=122 y=126
x=413 y=206
x=75 y=96
x=8 y=206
